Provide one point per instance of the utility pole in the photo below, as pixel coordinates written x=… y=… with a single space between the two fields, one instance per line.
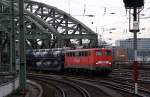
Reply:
x=134 y=5
x=12 y=40
x=0 y=49
x=22 y=47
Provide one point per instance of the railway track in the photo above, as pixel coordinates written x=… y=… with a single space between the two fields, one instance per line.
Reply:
x=126 y=87
x=95 y=87
x=34 y=89
x=62 y=88
x=49 y=89
x=108 y=87
x=92 y=90
x=127 y=76
x=85 y=89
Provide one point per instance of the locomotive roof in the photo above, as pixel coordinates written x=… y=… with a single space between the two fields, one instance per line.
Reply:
x=89 y=49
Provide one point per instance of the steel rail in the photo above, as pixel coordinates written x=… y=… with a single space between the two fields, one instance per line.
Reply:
x=53 y=85
x=80 y=90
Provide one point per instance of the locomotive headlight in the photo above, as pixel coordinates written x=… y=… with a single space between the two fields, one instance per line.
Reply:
x=99 y=62
x=107 y=62
x=103 y=62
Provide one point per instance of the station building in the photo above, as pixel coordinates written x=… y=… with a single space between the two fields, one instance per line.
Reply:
x=143 y=48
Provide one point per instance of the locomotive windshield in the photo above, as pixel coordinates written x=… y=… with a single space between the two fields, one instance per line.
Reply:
x=108 y=53
x=99 y=53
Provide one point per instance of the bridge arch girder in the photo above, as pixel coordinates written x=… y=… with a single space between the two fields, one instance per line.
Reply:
x=56 y=22
x=64 y=23
x=33 y=29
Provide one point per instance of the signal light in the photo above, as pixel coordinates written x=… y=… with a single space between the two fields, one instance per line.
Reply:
x=133 y=3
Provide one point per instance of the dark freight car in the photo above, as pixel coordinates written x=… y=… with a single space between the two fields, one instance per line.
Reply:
x=45 y=59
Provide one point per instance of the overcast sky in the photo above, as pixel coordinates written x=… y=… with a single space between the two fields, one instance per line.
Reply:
x=108 y=14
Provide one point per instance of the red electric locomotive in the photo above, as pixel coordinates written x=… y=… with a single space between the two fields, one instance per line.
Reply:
x=98 y=60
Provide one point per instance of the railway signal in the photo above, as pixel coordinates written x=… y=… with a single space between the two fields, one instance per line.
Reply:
x=134 y=5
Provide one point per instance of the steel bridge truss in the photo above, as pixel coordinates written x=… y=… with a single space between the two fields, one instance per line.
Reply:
x=46 y=26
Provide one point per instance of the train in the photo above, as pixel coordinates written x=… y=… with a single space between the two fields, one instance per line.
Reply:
x=97 y=60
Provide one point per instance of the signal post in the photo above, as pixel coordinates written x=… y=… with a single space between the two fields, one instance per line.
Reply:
x=134 y=7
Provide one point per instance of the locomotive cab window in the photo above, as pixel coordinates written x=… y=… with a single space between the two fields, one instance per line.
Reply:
x=72 y=54
x=80 y=53
x=67 y=54
x=107 y=53
x=99 y=53
x=86 y=53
